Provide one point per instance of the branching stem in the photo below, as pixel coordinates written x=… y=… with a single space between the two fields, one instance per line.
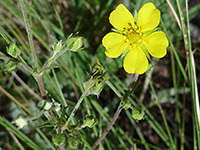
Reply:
x=119 y=109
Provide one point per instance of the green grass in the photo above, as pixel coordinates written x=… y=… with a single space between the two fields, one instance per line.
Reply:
x=169 y=123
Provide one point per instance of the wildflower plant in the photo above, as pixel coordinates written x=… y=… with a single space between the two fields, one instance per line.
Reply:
x=135 y=37
x=71 y=105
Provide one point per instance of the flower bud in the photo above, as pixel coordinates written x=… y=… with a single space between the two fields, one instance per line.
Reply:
x=89 y=121
x=137 y=114
x=21 y=121
x=75 y=43
x=13 y=50
x=10 y=66
x=58 y=139
x=58 y=47
x=45 y=104
x=94 y=85
x=98 y=69
x=126 y=104
x=73 y=142
x=96 y=82
x=48 y=105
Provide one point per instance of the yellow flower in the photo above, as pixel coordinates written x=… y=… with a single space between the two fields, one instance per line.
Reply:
x=135 y=37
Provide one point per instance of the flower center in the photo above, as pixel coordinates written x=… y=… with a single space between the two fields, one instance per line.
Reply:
x=132 y=34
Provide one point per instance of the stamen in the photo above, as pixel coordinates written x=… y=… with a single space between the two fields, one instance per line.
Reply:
x=132 y=34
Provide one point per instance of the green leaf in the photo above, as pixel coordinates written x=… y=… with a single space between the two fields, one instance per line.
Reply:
x=13 y=50
x=9 y=66
x=58 y=139
x=137 y=114
x=89 y=121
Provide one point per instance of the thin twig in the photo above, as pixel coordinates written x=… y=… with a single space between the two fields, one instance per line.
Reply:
x=54 y=59
x=26 y=86
x=26 y=67
x=119 y=109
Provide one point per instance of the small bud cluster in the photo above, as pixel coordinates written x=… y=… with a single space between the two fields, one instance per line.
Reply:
x=137 y=112
x=97 y=79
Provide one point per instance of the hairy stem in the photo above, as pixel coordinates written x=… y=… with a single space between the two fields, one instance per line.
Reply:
x=33 y=51
x=30 y=36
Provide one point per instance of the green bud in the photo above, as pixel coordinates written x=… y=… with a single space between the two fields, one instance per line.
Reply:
x=41 y=103
x=48 y=105
x=98 y=69
x=126 y=104
x=75 y=43
x=137 y=114
x=21 y=121
x=10 y=66
x=96 y=82
x=73 y=142
x=89 y=121
x=58 y=47
x=45 y=104
x=13 y=50
x=94 y=85
x=58 y=139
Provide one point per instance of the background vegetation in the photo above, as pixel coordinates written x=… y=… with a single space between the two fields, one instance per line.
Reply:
x=167 y=93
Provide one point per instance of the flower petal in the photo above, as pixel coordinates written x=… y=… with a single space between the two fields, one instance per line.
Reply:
x=121 y=17
x=148 y=17
x=114 y=44
x=156 y=43
x=135 y=61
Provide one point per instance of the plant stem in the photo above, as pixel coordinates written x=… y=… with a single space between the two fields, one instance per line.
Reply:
x=30 y=36
x=26 y=86
x=33 y=51
x=114 y=89
x=51 y=61
x=41 y=86
x=74 y=110
x=119 y=109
